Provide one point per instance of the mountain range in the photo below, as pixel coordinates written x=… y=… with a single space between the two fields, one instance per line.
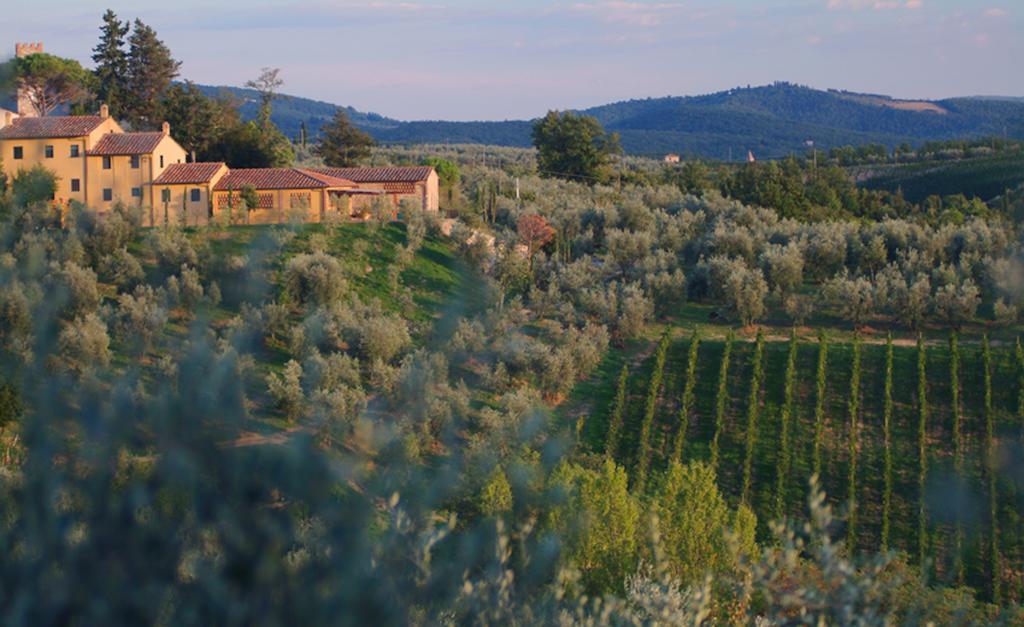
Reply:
x=771 y=121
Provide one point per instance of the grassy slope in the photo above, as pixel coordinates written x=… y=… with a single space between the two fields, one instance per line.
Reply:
x=435 y=277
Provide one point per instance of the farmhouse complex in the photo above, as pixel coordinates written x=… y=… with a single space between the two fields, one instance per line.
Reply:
x=99 y=164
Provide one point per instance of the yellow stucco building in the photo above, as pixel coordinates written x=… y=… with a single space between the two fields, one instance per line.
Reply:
x=98 y=164
x=95 y=162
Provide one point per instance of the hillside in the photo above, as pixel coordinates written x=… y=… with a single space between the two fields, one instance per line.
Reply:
x=985 y=177
x=772 y=121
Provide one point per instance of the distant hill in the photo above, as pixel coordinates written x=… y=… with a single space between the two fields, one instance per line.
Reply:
x=772 y=121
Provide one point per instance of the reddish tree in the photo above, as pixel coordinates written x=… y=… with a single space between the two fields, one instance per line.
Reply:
x=534 y=232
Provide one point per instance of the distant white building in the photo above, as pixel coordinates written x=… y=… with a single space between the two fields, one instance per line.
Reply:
x=672 y=158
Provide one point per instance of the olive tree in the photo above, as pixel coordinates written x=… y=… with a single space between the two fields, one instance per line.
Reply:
x=957 y=304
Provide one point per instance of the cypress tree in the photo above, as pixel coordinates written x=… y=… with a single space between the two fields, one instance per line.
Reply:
x=753 y=409
x=854 y=406
x=819 y=406
x=990 y=472
x=887 y=443
x=787 y=412
x=958 y=446
x=686 y=406
x=650 y=406
x=922 y=450
x=720 y=399
x=611 y=444
x=111 y=63
x=150 y=71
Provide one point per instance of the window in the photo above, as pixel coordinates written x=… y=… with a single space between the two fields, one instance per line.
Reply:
x=161 y=161
x=196 y=195
x=106 y=163
x=74 y=151
x=136 y=192
x=135 y=162
x=165 y=195
x=48 y=151
x=76 y=185
x=108 y=194
x=19 y=152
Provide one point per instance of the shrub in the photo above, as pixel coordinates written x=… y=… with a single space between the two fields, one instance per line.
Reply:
x=854 y=298
x=286 y=390
x=819 y=401
x=34 y=186
x=611 y=445
x=799 y=308
x=753 y=409
x=721 y=397
x=785 y=461
x=687 y=400
x=957 y=303
x=103 y=235
x=173 y=249
x=643 y=460
x=122 y=269
x=702 y=536
x=496 y=496
x=887 y=409
x=922 y=451
x=80 y=291
x=854 y=411
x=1005 y=313
x=140 y=317
x=191 y=289
x=314 y=279
x=958 y=444
x=382 y=337
x=991 y=475
x=84 y=343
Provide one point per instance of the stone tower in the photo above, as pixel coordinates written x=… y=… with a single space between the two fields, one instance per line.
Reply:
x=25 y=106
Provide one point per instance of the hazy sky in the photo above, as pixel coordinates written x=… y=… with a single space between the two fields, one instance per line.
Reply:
x=462 y=59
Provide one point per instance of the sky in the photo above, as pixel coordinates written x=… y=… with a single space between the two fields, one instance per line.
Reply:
x=483 y=60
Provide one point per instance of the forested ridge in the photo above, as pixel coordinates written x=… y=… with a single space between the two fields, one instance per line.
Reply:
x=773 y=121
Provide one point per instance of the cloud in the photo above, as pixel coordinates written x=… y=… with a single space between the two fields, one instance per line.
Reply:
x=874 y=5
x=995 y=12
x=630 y=13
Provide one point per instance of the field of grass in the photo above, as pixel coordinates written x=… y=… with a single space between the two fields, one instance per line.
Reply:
x=945 y=501
x=985 y=178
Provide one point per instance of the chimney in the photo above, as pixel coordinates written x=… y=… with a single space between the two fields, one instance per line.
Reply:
x=104 y=111
x=25 y=107
x=167 y=128
x=8 y=119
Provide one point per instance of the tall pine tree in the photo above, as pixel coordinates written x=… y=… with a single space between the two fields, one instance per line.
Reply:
x=342 y=145
x=151 y=69
x=111 y=63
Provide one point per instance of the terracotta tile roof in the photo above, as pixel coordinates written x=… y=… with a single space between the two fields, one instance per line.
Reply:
x=126 y=144
x=280 y=178
x=188 y=173
x=381 y=175
x=55 y=126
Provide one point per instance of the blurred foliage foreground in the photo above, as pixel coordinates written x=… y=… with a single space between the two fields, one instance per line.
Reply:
x=130 y=498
